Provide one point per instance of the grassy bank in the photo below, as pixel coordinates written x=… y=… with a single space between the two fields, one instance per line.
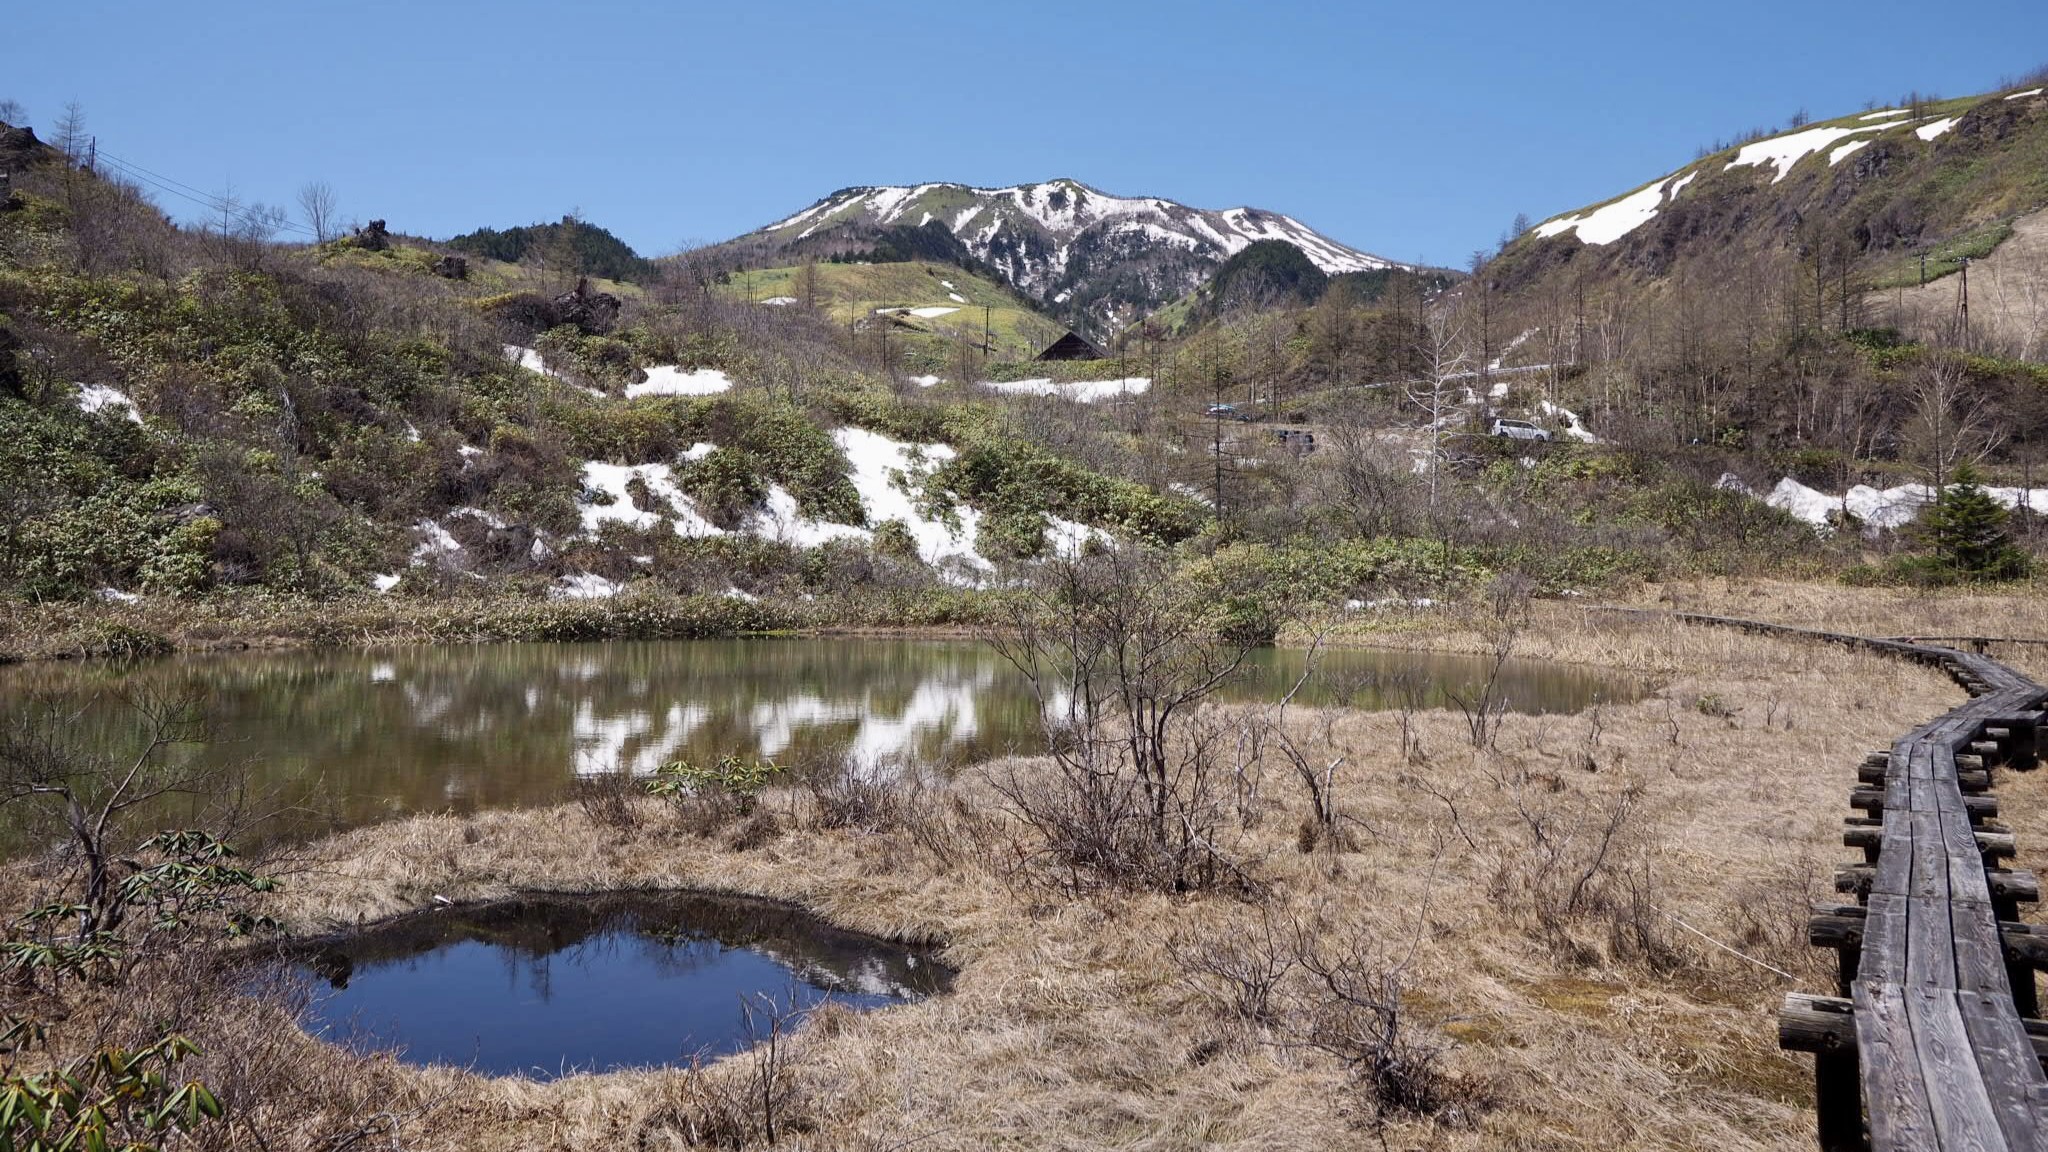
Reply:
x=1542 y=909
x=153 y=626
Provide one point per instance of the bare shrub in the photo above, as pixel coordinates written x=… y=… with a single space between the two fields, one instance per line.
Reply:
x=753 y=830
x=1574 y=860
x=846 y=793
x=947 y=827
x=1118 y=657
x=1503 y=617
x=610 y=800
x=1354 y=1008
x=749 y=1101
x=1770 y=914
x=1242 y=970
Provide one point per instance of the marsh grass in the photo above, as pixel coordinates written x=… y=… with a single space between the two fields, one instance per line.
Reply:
x=1553 y=987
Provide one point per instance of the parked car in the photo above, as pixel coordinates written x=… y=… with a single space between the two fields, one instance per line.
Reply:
x=1228 y=412
x=1299 y=441
x=1519 y=430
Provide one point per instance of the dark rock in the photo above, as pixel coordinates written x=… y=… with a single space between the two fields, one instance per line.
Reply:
x=10 y=371
x=510 y=546
x=19 y=148
x=373 y=237
x=591 y=311
x=452 y=268
x=526 y=313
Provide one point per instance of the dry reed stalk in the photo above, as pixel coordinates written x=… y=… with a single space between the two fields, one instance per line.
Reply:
x=1588 y=1018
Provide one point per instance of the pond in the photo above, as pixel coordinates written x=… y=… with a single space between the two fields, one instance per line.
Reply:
x=340 y=738
x=544 y=986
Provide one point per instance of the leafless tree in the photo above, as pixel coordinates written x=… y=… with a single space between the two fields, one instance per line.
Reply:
x=1118 y=657
x=1504 y=616
x=73 y=138
x=1951 y=422
x=58 y=787
x=317 y=201
x=1446 y=361
x=11 y=112
x=806 y=284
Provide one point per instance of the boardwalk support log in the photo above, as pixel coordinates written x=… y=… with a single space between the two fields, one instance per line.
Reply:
x=1933 y=1043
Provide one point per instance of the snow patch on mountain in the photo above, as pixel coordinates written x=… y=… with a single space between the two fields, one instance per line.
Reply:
x=1933 y=128
x=1610 y=222
x=1845 y=151
x=611 y=480
x=1785 y=152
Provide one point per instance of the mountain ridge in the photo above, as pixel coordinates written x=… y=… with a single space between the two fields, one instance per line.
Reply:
x=1849 y=206
x=1098 y=261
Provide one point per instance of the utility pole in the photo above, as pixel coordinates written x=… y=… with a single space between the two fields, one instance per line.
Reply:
x=1216 y=432
x=1963 y=306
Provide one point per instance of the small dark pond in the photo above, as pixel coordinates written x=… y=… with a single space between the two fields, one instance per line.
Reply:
x=547 y=986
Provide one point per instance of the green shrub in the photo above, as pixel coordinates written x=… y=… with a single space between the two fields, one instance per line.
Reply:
x=893 y=539
x=123 y=642
x=726 y=485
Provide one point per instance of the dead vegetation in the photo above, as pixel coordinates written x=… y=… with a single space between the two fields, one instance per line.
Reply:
x=1571 y=939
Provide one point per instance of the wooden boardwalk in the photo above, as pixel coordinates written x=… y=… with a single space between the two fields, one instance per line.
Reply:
x=1932 y=1042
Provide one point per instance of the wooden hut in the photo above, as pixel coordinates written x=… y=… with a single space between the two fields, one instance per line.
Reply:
x=1070 y=347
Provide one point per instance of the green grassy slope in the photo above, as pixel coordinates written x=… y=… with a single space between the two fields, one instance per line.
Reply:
x=851 y=294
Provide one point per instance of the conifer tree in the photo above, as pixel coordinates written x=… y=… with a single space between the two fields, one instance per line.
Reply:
x=1966 y=530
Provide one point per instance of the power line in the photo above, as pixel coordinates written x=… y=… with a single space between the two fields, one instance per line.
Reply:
x=210 y=201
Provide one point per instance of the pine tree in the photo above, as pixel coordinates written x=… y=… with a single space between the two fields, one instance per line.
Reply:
x=1966 y=529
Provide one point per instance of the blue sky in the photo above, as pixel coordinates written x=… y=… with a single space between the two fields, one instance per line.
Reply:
x=1413 y=130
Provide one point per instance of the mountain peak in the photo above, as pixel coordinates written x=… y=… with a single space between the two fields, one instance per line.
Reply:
x=1098 y=260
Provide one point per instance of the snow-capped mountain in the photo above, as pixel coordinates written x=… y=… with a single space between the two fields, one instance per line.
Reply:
x=1097 y=260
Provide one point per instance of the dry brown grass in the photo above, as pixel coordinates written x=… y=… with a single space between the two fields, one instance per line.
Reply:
x=1072 y=1025
x=1580 y=633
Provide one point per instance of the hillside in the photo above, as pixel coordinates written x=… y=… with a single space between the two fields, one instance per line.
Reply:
x=1859 y=210
x=185 y=414
x=931 y=311
x=1276 y=274
x=594 y=250
x=1097 y=262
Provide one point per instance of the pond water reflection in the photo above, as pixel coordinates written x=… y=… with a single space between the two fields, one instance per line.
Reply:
x=349 y=737
x=545 y=985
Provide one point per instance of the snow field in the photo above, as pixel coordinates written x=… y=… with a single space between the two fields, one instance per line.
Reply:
x=669 y=380
x=1081 y=392
x=1784 y=152
x=1845 y=151
x=1877 y=508
x=1610 y=222
x=99 y=397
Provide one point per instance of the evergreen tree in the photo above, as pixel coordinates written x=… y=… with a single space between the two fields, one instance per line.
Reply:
x=1966 y=530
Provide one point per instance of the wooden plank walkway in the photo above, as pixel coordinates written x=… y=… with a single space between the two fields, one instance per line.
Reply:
x=1931 y=1044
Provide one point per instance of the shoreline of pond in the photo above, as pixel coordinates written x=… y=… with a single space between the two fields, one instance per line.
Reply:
x=164 y=626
